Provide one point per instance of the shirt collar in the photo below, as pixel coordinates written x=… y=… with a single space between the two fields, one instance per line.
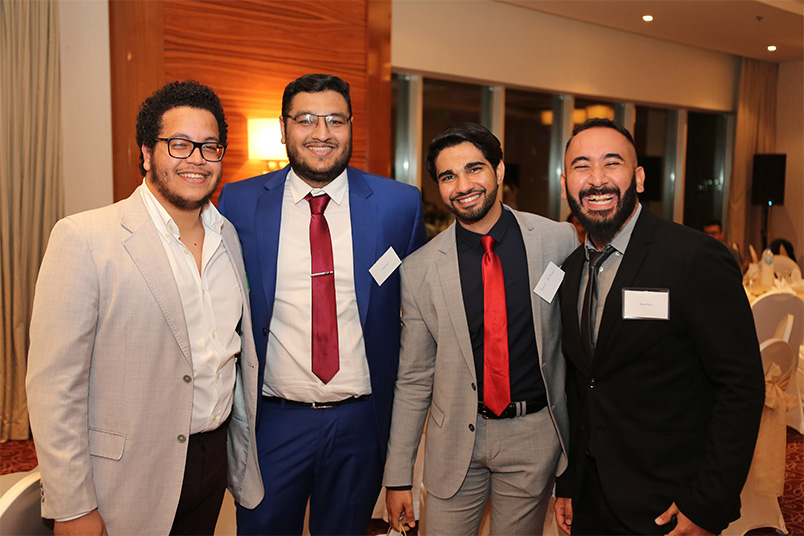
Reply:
x=622 y=238
x=336 y=189
x=210 y=216
x=497 y=232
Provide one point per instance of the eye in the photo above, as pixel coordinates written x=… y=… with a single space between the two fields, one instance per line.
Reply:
x=445 y=178
x=179 y=144
x=305 y=119
x=475 y=169
x=336 y=120
x=613 y=163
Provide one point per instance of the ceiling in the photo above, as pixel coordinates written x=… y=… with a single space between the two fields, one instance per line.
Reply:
x=738 y=27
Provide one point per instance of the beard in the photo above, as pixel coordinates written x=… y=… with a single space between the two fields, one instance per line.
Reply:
x=603 y=228
x=158 y=177
x=321 y=177
x=478 y=213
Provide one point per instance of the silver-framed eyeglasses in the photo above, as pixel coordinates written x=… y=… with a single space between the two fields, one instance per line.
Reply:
x=334 y=121
x=183 y=148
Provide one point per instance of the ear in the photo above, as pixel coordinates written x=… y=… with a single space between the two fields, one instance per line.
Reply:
x=563 y=186
x=500 y=171
x=282 y=129
x=639 y=174
x=146 y=157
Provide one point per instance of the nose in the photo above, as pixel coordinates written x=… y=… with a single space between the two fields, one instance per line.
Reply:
x=464 y=183
x=598 y=175
x=321 y=129
x=196 y=157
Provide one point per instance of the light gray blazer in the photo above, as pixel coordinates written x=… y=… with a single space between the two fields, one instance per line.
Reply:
x=109 y=404
x=436 y=366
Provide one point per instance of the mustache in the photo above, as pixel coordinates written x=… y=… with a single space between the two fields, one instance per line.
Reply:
x=470 y=192
x=598 y=190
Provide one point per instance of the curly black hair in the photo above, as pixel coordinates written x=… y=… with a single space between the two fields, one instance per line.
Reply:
x=172 y=95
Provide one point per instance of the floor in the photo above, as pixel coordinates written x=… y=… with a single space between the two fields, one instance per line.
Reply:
x=21 y=456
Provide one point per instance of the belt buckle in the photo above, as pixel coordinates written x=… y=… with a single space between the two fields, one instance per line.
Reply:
x=316 y=405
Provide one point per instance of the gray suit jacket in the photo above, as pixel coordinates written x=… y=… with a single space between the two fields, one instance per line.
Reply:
x=110 y=409
x=436 y=367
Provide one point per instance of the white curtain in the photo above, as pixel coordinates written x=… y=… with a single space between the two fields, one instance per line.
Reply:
x=30 y=183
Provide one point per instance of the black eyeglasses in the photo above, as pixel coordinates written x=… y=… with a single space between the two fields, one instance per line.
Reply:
x=182 y=148
x=334 y=121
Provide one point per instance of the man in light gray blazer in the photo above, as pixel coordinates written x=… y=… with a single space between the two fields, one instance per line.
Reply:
x=480 y=350
x=142 y=371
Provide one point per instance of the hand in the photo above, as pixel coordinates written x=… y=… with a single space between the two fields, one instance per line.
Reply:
x=563 y=508
x=89 y=525
x=685 y=526
x=400 y=508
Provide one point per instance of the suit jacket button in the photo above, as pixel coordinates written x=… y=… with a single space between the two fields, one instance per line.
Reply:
x=181 y=438
x=187 y=378
x=472 y=427
x=592 y=383
x=474 y=387
x=264 y=332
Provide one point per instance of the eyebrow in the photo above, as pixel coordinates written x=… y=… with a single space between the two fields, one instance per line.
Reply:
x=605 y=157
x=468 y=165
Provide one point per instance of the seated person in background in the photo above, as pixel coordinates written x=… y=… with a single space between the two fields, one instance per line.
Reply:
x=579 y=228
x=780 y=246
x=714 y=228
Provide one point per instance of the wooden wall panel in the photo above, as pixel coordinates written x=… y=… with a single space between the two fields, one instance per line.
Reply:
x=137 y=70
x=248 y=51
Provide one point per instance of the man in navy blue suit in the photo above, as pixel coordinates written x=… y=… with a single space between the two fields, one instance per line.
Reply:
x=322 y=242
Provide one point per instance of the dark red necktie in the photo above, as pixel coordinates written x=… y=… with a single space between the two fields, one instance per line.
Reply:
x=496 y=384
x=325 y=311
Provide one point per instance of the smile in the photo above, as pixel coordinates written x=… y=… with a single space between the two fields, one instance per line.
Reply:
x=321 y=150
x=193 y=177
x=599 y=200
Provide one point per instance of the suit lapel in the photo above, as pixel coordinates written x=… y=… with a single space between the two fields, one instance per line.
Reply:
x=149 y=256
x=626 y=275
x=267 y=220
x=363 y=215
x=449 y=277
x=533 y=251
x=570 y=290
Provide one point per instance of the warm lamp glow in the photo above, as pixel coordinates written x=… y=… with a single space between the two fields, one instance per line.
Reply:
x=600 y=110
x=771 y=48
x=265 y=141
x=647 y=18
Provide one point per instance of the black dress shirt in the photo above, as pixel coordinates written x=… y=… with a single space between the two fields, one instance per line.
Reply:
x=523 y=354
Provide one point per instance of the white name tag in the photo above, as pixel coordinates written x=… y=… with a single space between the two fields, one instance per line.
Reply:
x=646 y=304
x=550 y=281
x=385 y=266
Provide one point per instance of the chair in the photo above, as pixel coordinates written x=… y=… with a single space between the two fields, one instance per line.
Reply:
x=771 y=317
x=786 y=268
x=765 y=482
x=20 y=512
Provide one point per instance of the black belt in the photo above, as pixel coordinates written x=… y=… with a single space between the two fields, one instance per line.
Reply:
x=314 y=405
x=514 y=409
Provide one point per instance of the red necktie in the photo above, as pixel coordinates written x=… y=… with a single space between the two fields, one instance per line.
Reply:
x=325 y=311
x=496 y=385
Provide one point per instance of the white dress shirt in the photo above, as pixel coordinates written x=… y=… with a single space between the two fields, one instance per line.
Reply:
x=212 y=306
x=288 y=368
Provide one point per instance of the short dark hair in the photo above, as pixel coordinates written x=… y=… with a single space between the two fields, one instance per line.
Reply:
x=788 y=247
x=598 y=122
x=459 y=133
x=315 y=83
x=710 y=223
x=173 y=95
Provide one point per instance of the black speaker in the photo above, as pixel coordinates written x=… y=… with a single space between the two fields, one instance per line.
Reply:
x=768 y=182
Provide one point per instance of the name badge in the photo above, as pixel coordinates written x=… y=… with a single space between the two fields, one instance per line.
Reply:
x=548 y=284
x=385 y=266
x=644 y=304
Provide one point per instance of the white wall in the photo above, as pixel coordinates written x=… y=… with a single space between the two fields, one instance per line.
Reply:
x=86 y=106
x=490 y=41
x=788 y=221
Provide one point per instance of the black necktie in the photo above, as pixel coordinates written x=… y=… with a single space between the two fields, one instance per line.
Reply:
x=596 y=258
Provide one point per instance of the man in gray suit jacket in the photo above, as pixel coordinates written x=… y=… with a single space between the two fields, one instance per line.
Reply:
x=480 y=351
x=142 y=371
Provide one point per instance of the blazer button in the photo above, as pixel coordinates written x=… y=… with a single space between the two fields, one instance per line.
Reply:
x=181 y=438
x=187 y=378
x=264 y=332
x=472 y=427
x=474 y=387
x=592 y=383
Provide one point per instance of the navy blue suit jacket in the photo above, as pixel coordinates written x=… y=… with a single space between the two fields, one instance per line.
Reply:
x=384 y=213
